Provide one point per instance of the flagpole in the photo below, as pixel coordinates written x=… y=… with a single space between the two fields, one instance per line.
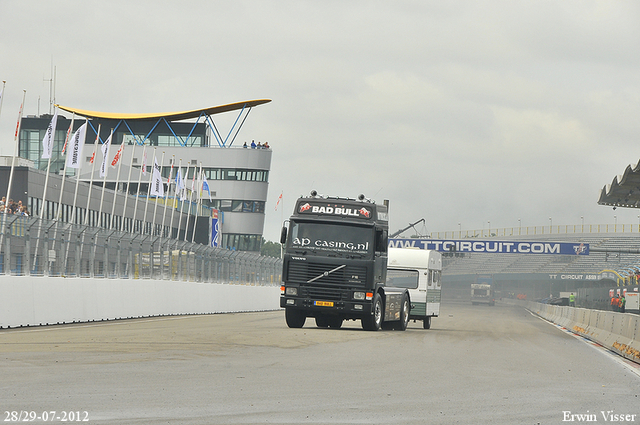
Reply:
x=193 y=185
x=173 y=207
x=182 y=206
x=13 y=160
x=142 y=167
x=155 y=207
x=64 y=179
x=86 y=213
x=146 y=205
x=64 y=170
x=198 y=200
x=104 y=165
x=115 y=191
x=166 y=195
x=75 y=192
x=281 y=219
x=2 y=95
x=16 y=139
x=126 y=194
x=186 y=227
x=50 y=137
x=93 y=170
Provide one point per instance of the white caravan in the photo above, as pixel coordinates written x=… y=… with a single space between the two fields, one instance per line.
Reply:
x=418 y=270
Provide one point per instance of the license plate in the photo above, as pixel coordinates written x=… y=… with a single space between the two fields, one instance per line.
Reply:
x=323 y=303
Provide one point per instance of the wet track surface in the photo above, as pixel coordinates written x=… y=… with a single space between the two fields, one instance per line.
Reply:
x=477 y=364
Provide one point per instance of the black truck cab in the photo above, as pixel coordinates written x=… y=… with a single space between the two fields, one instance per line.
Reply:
x=335 y=264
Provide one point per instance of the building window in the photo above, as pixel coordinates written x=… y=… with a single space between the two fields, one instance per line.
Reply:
x=241 y=242
x=236 y=174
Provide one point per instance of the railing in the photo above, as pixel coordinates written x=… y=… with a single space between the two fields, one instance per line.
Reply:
x=562 y=229
x=31 y=246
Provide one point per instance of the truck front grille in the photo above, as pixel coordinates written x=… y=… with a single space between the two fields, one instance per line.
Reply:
x=302 y=272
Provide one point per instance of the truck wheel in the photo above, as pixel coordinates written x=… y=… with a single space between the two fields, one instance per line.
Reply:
x=295 y=318
x=401 y=325
x=426 y=323
x=322 y=321
x=374 y=321
x=335 y=322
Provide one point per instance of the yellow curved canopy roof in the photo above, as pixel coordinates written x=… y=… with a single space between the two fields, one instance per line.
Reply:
x=170 y=116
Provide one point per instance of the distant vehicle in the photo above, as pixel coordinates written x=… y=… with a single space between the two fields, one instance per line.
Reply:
x=420 y=272
x=335 y=265
x=632 y=304
x=482 y=291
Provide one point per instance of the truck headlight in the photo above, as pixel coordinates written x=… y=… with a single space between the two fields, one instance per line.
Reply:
x=358 y=296
x=291 y=291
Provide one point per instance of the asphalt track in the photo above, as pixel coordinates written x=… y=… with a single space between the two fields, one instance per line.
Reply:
x=478 y=364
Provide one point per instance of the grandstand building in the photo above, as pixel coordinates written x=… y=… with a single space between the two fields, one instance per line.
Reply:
x=237 y=177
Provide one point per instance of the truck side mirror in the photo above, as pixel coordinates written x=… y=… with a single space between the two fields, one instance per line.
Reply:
x=283 y=235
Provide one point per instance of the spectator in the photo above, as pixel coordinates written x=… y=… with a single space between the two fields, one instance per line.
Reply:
x=253 y=144
x=622 y=302
x=245 y=145
x=266 y=145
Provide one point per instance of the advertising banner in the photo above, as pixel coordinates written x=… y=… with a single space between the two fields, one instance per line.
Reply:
x=493 y=246
x=215 y=228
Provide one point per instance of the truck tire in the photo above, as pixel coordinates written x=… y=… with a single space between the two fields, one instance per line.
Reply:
x=322 y=321
x=405 y=310
x=295 y=318
x=373 y=322
x=426 y=323
x=335 y=322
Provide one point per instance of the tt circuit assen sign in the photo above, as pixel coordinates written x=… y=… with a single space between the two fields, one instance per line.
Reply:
x=493 y=247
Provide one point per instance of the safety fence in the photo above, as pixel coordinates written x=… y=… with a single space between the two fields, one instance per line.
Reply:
x=618 y=332
x=30 y=246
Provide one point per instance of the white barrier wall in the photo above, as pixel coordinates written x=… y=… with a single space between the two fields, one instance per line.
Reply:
x=29 y=301
x=619 y=332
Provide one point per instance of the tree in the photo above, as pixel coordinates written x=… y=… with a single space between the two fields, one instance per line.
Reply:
x=270 y=249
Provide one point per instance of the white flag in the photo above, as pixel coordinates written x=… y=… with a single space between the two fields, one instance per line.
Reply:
x=157 y=188
x=75 y=149
x=47 y=141
x=105 y=155
x=180 y=185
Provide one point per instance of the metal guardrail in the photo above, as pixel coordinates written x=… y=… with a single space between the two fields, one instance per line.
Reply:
x=30 y=246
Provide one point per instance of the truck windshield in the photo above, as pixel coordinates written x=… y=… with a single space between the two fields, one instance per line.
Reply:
x=331 y=239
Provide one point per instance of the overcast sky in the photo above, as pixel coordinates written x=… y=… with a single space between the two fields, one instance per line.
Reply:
x=462 y=113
